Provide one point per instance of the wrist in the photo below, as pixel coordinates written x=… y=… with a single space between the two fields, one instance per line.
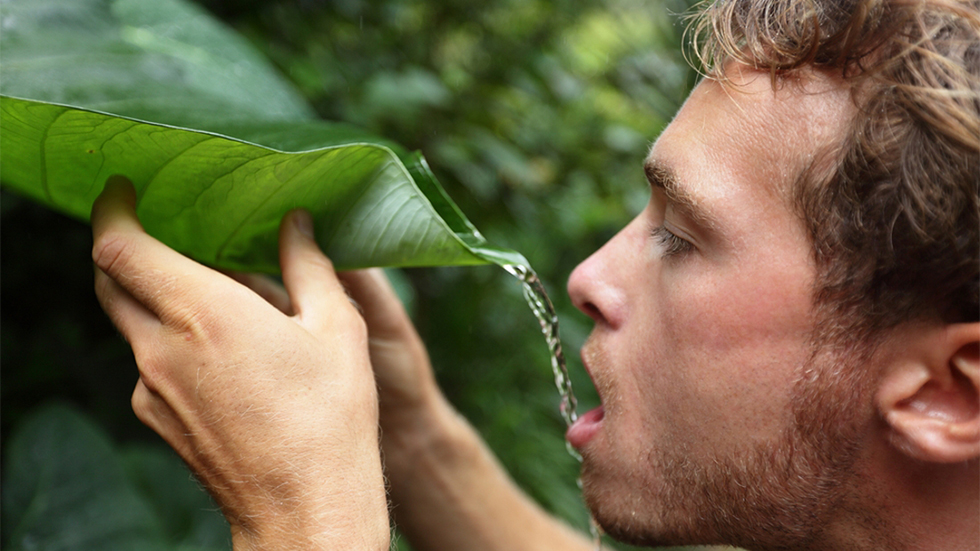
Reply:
x=330 y=503
x=289 y=541
x=434 y=429
x=363 y=527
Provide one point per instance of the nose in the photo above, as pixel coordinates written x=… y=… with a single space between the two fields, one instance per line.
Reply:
x=580 y=287
x=598 y=286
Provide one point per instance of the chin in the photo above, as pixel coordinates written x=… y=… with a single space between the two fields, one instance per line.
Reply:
x=619 y=503
x=625 y=523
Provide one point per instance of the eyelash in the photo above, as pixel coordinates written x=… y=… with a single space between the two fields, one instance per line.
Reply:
x=672 y=244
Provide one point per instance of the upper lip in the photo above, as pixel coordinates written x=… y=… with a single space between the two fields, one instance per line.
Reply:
x=584 y=354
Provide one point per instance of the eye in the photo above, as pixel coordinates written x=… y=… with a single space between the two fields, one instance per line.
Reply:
x=672 y=244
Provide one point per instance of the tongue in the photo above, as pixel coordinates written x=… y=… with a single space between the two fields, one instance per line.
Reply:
x=584 y=428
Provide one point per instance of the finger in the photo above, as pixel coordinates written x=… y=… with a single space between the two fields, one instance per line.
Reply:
x=308 y=275
x=267 y=288
x=380 y=306
x=400 y=361
x=131 y=318
x=140 y=264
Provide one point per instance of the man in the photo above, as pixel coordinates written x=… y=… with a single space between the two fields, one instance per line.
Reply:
x=786 y=342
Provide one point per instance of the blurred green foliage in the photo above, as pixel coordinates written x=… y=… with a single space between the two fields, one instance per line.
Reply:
x=535 y=115
x=67 y=487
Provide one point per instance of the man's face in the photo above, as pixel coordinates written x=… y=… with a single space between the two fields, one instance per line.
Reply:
x=704 y=325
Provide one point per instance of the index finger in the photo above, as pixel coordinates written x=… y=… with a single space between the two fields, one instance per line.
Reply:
x=139 y=263
x=379 y=304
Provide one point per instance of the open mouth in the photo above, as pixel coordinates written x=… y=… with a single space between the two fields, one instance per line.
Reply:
x=585 y=428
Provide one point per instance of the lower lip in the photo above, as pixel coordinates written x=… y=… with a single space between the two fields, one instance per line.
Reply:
x=585 y=428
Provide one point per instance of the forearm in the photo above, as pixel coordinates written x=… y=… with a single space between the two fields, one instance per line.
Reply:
x=449 y=492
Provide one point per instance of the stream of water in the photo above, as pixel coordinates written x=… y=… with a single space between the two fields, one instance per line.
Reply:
x=544 y=311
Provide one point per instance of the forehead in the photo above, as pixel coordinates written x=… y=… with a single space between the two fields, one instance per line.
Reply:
x=747 y=137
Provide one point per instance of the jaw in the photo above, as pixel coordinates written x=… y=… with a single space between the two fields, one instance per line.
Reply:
x=785 y=492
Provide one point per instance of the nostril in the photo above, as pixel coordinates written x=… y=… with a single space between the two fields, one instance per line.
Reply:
x=583 y=288
x=591 y=310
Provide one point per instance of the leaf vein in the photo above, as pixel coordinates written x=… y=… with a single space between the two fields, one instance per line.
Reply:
x=234 y=232
x=381 y=234
x=44 y=155
x=168 y=162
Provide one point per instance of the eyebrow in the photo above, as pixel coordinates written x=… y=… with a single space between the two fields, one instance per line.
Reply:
x=662 y=176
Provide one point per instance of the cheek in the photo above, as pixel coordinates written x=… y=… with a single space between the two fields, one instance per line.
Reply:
x=732 y=345
x=725 y=305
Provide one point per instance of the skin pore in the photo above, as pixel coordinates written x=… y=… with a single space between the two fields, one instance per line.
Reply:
x=702 y=351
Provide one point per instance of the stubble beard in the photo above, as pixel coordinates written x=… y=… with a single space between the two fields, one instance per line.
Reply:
x=774 y=495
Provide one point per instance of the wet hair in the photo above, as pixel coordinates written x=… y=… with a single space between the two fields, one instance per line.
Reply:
x=893 y=214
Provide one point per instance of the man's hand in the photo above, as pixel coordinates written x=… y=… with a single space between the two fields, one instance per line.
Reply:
x=447 y=489
x=406 y=384
x=273 y=406
x=410 y=399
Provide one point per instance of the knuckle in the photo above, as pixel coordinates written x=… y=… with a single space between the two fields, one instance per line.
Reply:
x=160 y=383
x=111 y=252
x=349 y=317
x=358 y=334
x=159 y=365
x=196 y=325
x=103 y=289
x=142 y=404
x=186 y=323
x=357 y=325
x=151 y=375
x=192 y=320
x=343 y=323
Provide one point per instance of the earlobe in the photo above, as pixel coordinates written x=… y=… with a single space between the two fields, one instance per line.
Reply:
x=929 y=396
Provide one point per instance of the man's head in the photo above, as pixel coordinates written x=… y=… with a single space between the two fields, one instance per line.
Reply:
x=804 y=275
x=891 y=205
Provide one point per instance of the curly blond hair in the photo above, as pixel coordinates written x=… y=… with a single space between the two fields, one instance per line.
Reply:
x=894 y=223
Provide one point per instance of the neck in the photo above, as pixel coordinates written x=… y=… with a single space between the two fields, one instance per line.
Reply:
x=896 y=502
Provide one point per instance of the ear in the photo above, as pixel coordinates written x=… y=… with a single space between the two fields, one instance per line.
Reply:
x=929 y=395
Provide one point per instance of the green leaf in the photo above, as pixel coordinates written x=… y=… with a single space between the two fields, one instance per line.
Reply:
x=218 y=147
x=161 y=60
x=65 y=487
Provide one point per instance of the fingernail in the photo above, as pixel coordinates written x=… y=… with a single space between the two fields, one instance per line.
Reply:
x=303 y=222
x=117 y=179
x=118 y=183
